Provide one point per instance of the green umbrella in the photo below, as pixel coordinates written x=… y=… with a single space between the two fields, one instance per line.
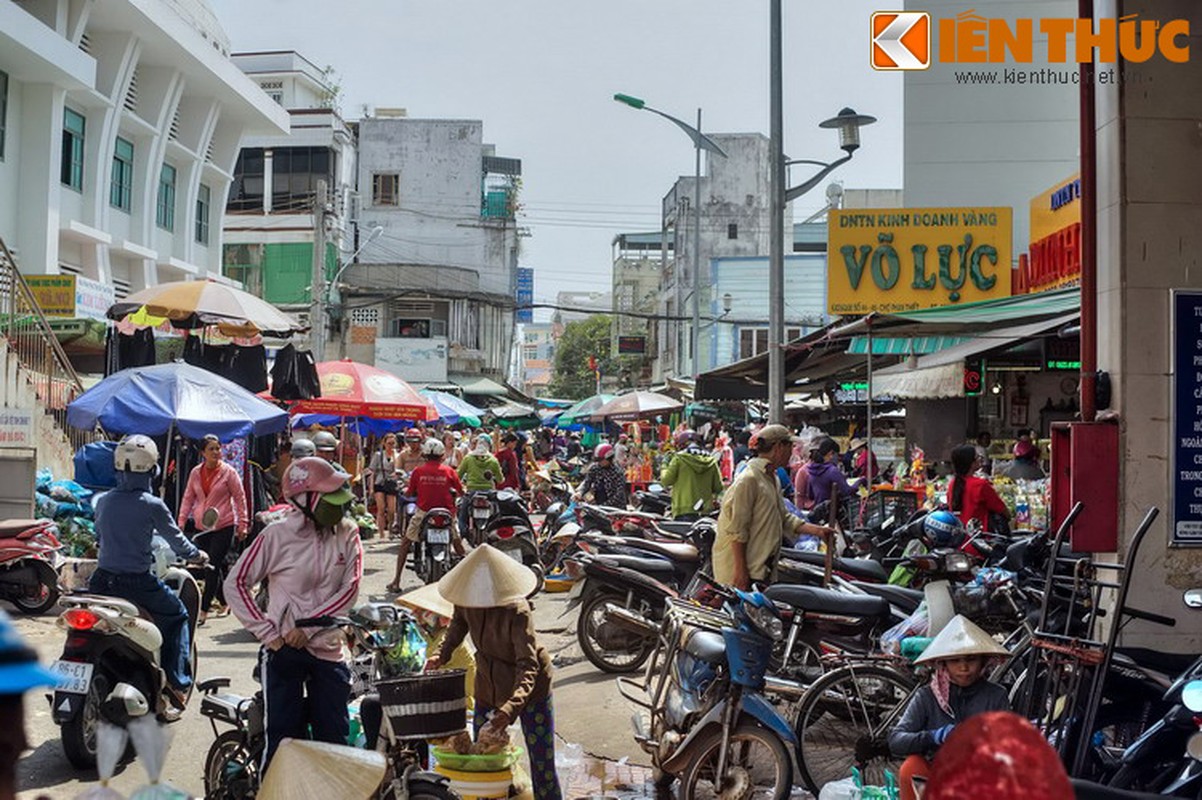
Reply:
x=579 y=413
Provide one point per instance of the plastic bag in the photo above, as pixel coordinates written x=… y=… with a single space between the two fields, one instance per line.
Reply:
x=916 y=624
x=110 y=746
x=152 y=741
x=845 y=789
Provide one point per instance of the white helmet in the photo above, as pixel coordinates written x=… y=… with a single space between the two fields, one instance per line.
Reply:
x=136 y=453
x=433 y=447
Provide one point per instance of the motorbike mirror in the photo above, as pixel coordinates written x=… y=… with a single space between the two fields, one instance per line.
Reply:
x=1191 y=696
x=1193 y=598
x=655 y=488
x=1194 y=747
x=698 y=504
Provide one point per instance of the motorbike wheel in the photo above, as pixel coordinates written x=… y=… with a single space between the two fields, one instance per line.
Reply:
x=46 y=596
x=758 y=766
x=231 y=768
x=79 y=734
x=435 y=569
x=609 y=649
x=842 y=722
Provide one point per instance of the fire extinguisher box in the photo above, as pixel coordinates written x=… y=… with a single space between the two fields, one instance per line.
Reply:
x=1085 y=468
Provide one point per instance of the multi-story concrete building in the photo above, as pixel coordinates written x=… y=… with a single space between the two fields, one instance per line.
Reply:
x=638 y=267
x=269 y=220
x=537 y=357
x=733 y=221
x=575 y=306
x=443 y=270
x=120 y=123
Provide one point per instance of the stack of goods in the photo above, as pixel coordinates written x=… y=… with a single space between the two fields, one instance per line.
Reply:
x=70 y=506
x=490 y=754
x=1027 y=501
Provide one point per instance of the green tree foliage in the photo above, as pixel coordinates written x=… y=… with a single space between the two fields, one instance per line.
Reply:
x=572 y=379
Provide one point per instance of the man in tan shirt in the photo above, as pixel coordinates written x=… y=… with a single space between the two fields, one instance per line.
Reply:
x=753 y=520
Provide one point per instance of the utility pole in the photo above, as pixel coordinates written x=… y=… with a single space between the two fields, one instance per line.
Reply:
x=776 y=216
x=317 y=291
x=695 y=339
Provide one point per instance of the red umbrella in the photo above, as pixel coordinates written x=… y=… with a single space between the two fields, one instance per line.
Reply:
x=351 y=389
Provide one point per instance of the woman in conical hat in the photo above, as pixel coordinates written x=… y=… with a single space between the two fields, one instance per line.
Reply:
x=960 y=655
x=513 y=672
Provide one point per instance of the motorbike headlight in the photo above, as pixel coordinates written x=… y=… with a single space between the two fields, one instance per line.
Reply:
x=765 y=620
x=958 y=562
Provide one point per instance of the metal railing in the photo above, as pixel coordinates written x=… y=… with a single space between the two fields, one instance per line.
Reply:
x=41 y=361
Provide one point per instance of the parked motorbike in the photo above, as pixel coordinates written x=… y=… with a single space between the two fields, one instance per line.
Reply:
x=433 y=557
x=510 y=530
x=655 y=500
x=705 y=720
x=111 y=652
x=1167 y=758
x=29 y=560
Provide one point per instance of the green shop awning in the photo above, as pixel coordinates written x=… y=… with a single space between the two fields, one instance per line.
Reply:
x=903 y=345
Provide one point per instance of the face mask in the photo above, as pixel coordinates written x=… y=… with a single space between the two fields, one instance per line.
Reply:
x=327 y=515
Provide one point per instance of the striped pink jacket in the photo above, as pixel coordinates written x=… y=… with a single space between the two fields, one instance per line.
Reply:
x=310 y=574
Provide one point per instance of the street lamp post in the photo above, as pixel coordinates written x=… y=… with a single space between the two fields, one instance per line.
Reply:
x=700 y=142
x=848 y=122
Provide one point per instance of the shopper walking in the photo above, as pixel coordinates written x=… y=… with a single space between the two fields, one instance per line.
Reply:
x=215 y=502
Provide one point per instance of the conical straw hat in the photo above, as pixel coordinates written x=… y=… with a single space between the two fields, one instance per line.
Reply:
x=959 y=638
x=302 y=768
x=485 y=579
x=427 y=598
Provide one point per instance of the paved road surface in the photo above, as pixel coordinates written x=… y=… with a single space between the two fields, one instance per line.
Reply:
x=588 y=708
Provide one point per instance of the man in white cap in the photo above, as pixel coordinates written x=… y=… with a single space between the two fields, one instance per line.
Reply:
x=513 y=671
x=753 y=520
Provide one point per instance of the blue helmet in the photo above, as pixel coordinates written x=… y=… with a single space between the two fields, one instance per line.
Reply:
x=942 y=529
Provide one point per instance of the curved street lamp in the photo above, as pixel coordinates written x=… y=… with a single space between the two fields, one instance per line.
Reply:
x=700 y=142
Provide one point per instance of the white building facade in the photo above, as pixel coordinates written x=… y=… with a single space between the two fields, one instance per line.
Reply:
x=120 y=122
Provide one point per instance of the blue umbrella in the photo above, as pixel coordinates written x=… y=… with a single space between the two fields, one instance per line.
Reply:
x=153 y=400
x=453 y=410
x=360 y=425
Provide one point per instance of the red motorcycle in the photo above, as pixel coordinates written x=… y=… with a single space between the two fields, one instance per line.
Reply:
x=29 y=560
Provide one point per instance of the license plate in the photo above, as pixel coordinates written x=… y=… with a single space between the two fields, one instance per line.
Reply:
x=438 y=535
x=481 y=513
x=73 y=676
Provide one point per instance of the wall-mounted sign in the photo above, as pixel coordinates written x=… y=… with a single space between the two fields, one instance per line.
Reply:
x=1054 y=261
x=16 y=427
x=414 y=360
x=632 y=345
x=974 y=378
x=71 y=296
x=1185 y=323
x=524 y=296
x=892 y=260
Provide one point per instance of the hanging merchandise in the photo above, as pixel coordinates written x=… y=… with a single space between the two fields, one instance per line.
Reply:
x=246 y=366
x=294 y=375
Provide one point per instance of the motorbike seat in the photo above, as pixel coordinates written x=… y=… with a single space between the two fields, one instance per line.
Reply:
x=679 y=552
x=903 y=597
x=648 y=565
x=614 y=574
x=675 y=528
x=20 y=528
x=861 y=569
x=706 y=646
x=829 y=601
x=1168 y=663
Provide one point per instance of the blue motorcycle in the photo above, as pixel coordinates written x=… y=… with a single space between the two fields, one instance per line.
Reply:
x=705 y=720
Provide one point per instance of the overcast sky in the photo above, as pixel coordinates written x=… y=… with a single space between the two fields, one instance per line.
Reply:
x=541 y=75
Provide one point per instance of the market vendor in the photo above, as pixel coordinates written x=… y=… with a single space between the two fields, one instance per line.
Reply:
x=513 y=671
x=958 y=689
x=970 y=496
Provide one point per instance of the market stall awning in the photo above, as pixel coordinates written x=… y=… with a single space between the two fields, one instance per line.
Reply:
x=479 y=385
x=941 y=374
x=903 y=345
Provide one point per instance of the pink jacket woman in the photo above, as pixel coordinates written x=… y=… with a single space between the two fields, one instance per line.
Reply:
x=312 y=574
x=225 y=494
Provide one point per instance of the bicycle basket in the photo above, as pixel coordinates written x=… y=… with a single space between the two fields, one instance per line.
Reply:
x=430 y=706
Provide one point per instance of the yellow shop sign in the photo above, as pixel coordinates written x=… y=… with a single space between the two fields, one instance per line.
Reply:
x=891 y=260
